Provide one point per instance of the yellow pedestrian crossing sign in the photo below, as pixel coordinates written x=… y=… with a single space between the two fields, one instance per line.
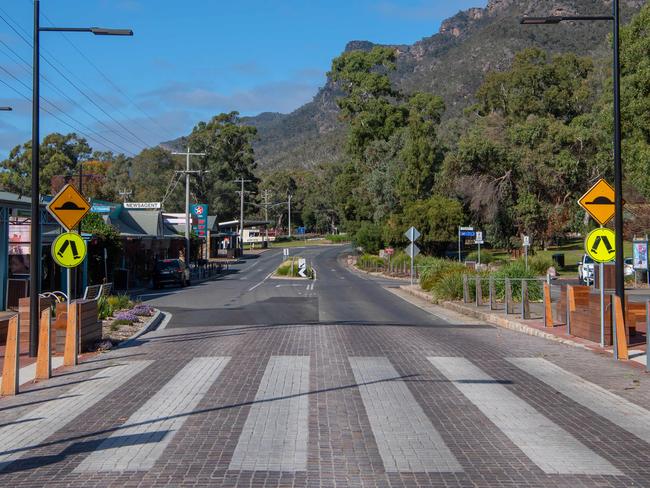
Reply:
x=69 y=250
x=600 y=244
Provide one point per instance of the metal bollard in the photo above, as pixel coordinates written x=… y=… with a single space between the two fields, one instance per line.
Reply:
x=479 y=292
x=465 y=289
x=508 y=295
x=491 y=291
x=525 y=305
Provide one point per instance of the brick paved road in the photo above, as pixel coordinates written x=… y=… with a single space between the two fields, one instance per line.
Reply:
x=369 y=391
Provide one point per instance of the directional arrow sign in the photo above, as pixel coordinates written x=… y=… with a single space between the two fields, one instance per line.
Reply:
x=302 y=267
x=412 y=250
x=412 y=234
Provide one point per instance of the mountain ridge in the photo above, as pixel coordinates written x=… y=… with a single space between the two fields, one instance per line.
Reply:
x=450 y=63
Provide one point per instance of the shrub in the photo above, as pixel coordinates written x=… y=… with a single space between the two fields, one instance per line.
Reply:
x=119 y=302
x=116 y=324
x=539 y=264
x=434 y=269
x=104 y=310
x=449 y=285
x=142 y=310
x=486 y=257
x=126 y=317
x=337 y=238
x=369 y=237
x=370 y=262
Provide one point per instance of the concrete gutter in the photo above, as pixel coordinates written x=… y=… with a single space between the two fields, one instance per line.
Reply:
x=153 y=323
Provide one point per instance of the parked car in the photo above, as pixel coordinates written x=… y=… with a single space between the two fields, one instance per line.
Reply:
x=586 y=270
x=171 y=271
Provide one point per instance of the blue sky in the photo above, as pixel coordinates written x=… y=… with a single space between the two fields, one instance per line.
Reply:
x=187 y=61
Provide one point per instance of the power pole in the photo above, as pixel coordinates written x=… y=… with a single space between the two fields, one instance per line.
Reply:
x=241 y=213
x=290 y=196
x=124 y=194
x=266 y=216
x=187 y=173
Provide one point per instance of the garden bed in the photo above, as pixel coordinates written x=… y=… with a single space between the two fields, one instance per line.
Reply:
x=121 y=319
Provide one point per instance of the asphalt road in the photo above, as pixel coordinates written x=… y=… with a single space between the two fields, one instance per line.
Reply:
x=248 y=295
x=337 y=382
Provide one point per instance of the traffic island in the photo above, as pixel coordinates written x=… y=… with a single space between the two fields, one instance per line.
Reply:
x=294 y=268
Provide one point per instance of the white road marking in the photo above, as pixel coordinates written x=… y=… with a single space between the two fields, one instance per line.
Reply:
x=262 y=282
x=628 y=416
x=275 y=435
x=139 y=443
x=37 y=425
x=545 y=443
x=406 y=438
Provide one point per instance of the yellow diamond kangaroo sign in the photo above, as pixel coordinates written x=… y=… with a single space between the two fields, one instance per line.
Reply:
x=69 y=250
x=599 y=202
x=68 y=207
x=600 y=244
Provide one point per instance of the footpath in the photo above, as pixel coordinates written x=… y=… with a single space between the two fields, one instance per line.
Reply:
x=534 y=327
x=458 y=311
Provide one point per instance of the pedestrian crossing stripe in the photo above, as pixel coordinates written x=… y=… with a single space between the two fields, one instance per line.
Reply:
x=275 y=436
x=69 y=250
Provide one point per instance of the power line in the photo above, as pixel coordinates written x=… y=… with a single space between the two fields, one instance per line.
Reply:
x=73 y=102
x=76 y=129
x=82 y=92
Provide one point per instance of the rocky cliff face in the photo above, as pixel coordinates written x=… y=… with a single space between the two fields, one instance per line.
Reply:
x=451 y=63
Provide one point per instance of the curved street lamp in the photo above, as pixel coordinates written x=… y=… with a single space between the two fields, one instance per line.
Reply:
x=618 y=166
x=35 y=244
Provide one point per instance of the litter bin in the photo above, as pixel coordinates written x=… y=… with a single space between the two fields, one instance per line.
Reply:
x=558 y=259
x=121 y=279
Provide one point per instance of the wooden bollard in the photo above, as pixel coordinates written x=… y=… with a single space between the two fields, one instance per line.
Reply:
x=71 y=337
x=44 y=358
x=491 y=292
x=11 y=366
x=548 y=310
x=508 y=295
x=479 y=292
x=570 y=306
x=621 y=339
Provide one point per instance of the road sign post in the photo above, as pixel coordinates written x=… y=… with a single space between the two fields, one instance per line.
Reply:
x=479 y=241
x=526 y=246
x=464 y=232
x=412 y=250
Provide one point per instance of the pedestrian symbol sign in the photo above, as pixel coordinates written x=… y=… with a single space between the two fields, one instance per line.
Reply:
x=599 y=202
x=68 y=207
x=69 y=250
x=600 y=245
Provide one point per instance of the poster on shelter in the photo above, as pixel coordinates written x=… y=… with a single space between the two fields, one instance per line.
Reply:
x=19 y=237
x=640 y=255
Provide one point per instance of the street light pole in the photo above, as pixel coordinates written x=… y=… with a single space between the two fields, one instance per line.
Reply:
x=618 y=165
x=289 y=214
x=35 y=226
x=35 y=231
x=241 y=213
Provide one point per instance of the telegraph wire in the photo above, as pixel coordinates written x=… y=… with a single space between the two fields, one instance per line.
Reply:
x=81 y=91
x=76 y=129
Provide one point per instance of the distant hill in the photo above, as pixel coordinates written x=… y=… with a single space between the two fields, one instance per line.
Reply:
x=451 y=63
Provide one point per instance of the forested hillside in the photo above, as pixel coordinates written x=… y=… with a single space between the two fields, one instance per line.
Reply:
x=489 y=123
x=451 y=64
